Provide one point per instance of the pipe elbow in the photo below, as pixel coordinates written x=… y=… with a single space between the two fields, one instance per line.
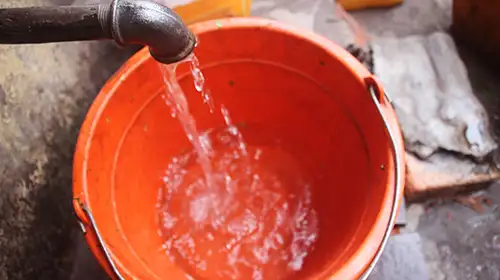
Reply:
x=151 y=24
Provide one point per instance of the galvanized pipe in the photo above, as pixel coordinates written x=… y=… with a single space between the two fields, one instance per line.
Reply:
x=125 y=21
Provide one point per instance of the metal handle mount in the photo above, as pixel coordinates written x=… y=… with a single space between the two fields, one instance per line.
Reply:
x=378 y=95
x=88 y=220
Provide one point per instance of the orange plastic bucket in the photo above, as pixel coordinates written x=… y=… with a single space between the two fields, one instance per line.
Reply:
x=294 y=82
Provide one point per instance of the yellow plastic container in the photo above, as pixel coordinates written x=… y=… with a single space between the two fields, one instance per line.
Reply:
x=201 y=10
x=363 y=4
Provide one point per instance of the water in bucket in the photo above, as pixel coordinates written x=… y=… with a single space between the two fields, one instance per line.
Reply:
x=229 y=209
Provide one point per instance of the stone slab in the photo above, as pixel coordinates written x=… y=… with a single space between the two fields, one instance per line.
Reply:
x=436 y=107
x=446 y=128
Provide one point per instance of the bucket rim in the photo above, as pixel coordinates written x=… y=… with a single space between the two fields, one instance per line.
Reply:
x=372 y=242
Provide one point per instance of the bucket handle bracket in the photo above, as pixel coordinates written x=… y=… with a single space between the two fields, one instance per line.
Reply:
x=375 y=89
x=89 y=226
x=379 y=96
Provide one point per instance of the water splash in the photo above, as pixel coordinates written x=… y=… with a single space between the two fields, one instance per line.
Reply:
x=229 y=210
x=177 y=102
x=199 y=82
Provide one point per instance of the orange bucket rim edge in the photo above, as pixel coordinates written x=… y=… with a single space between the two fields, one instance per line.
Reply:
x=80 y=190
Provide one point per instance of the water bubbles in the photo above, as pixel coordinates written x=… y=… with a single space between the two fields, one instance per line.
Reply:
x=279 y=239
x=244 y=222
x=168 y=220
x=297 y=261
x=205 y=144
x=257 y=155
x=224 y=211
x=200 y=208
x=257 y=274
x=210 y=236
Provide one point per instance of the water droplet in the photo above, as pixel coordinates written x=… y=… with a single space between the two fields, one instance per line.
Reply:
x=495 y=243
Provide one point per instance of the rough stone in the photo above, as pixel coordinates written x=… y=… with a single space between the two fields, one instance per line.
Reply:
x=445 y=120
x=436 y=107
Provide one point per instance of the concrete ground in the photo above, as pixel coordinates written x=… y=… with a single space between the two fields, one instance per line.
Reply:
x=459 y=243
x=446 y=240
x=45 y=91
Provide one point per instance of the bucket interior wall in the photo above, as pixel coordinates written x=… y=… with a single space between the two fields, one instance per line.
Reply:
x=280 y=90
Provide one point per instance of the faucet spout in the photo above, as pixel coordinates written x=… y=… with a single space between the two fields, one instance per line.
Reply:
x=125 y=21
x=149 y=23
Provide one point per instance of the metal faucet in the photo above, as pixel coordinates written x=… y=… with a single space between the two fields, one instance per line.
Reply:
x=125 y=21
